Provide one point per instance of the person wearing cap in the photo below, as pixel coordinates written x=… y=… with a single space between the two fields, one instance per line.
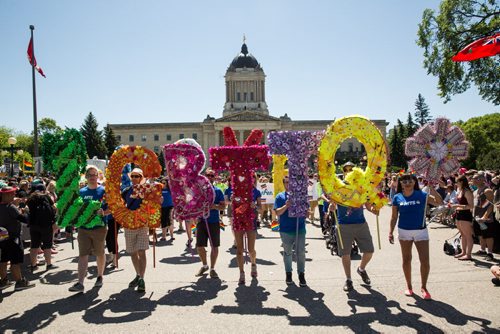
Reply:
x=352 y=226
x=483 y=216
x=137 y=240
x=11 y=249
x=91 y=239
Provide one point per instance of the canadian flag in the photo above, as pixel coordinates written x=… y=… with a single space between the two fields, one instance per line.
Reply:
x=484 y=47
x=32 y=59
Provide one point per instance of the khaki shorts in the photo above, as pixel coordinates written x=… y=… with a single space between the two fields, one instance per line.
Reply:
x=91 y=242
x=136 y=240
x=354 y=232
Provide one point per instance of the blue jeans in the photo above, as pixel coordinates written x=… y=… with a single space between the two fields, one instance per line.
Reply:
x=288 y=240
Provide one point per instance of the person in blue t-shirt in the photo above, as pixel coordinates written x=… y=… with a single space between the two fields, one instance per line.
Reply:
x=352 y=226
x=91 y=240
x=209 y=229
x=292 y=232
x=166 y=212
x=408 y=210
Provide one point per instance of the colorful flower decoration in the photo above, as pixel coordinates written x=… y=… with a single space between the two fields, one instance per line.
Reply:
x=148 y=213
x=298 y=146
x=69 y=161
x=192 y=193
x=279 y=172
x=241 y=161
x=436 y=148
x=361 y=185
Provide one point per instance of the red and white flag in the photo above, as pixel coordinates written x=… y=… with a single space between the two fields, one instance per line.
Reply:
x=484 y=47
x=32 y=59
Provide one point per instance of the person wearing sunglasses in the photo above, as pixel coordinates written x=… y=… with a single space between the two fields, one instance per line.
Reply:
x=136 y=241
x=408 y=210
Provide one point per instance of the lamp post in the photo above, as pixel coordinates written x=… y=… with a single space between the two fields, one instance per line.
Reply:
x=12 y=141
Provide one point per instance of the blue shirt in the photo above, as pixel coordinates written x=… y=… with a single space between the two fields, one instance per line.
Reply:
x=131 y=203
x=96 y=194
x=288 y=224
x=347 y=215
x=167 y=199
x=214 y=214
x=411 y=210
x=255 y=193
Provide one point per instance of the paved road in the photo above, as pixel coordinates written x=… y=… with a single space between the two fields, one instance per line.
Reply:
x=176 y=301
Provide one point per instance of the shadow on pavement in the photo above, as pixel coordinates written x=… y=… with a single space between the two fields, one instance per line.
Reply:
x=125 y=306
x=187 y=257
x=250 y=300
x=195 y=294
x=42 y=315
x=385 y=312
x=234 y=263
x=59 y=277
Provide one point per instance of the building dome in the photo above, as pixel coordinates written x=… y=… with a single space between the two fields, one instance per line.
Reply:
x=244 y=60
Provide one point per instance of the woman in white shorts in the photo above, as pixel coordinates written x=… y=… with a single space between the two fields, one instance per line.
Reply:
x=408 y=210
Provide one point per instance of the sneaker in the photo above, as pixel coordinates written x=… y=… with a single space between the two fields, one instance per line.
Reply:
x=348 y=286
x=213 y=274
x=480 y=252
x=364 y=276
x=253 y=273
x=134 y=282
x=495 y=281
x=302 y=280
x=5 y=283
x=426 y=295
x=34 y=268
x=98 y=282
x=163 y=239
x=289 y=280
x=23 y=284
x=489 y=256
x=242 y=278
x=77 y=287
x=202 y=270
x=141 y=285
x=51 y=266
x=189 y=242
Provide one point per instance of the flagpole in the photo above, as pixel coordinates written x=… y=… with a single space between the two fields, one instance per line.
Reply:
x=35 y=122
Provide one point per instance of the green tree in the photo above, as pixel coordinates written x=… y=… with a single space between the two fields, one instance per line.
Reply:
x=483 y=134
x=48 y=125
x=422 y=114
x=110 y=141
x=410 y=126
x=396 y=147
x=93 y=137
x=443 y=34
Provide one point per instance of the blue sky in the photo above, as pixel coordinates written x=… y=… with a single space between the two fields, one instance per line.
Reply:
x=164 y=61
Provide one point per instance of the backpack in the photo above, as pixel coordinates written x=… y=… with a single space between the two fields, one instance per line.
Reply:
x=42 y=212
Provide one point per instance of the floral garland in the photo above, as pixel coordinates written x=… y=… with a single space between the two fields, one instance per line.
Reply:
x=361 y=185
x=148 y=213
x=192 y=193
x=279 y=172
x=298 y=146
x=68 y=164
x=241 y=161
x=436 y=148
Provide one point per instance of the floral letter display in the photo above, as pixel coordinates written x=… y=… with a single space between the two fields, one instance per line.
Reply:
x=436 y=149
x=241 y=161
x=192 y=193
x=298 y=146
x=148 y=213
x=360 y=186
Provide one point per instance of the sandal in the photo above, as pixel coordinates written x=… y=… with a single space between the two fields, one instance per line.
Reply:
x=253 y=273
x=242 y=278
x=464 y=259
x=408 y=292
x=426 y=295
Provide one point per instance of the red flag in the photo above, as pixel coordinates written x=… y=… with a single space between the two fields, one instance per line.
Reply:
x=32 y=59
x=484 y=47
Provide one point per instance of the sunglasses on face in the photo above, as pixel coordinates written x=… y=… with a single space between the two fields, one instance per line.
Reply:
x=92 y=175
x=135 y=176
x=347 y=170
x=406 y=181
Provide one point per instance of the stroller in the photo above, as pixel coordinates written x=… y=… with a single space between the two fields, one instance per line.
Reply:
x=443 y=215
x=330 y=235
